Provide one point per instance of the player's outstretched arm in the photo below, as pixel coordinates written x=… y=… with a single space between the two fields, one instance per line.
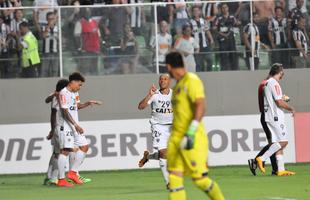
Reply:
x=144 y=102
x=89 y=103
x=53 y=123
x=50 y=97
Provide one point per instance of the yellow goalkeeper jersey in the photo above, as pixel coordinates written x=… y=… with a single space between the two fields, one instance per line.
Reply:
x=185 y=93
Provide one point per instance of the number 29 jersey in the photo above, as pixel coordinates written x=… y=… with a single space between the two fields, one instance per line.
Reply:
x=162 y=112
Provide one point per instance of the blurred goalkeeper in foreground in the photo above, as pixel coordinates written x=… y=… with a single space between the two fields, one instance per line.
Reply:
x=188 y=144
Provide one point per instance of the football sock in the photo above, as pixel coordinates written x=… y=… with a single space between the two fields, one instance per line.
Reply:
x=263 y=150
x=274 y=164
x=164 y=171
x=272 y=149
x=210 y=187
x=55 y=168
x=79 y=158
x=71 y=159
x=154 y=156
x=280 y=162
x=62 y=160
x=177 y=191
x=50 y=167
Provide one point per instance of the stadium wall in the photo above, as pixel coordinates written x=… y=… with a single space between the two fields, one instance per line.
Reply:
x=228 y=93
x=118 y=132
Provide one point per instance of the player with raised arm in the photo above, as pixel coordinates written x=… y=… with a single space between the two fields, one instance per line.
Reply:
x=72 y=134
x=161 y=120
x=274 y=104
x=56 y=123
x=188 y=144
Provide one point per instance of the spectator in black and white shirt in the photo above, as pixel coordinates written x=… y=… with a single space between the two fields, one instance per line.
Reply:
x=278 y=37
x=8 y=13
x=251 y=40
x=50 y=56
x=300 y=56
x=4 y=51
x=203 y=37
x=39 y=14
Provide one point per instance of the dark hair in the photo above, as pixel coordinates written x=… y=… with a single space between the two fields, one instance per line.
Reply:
x=76 y=76
x=49 y=14
x=62 y=83
x=186 y=25
x=196 y=6
x=278 y=7
x=24 y=24
x=175 y=59
x=276 y=68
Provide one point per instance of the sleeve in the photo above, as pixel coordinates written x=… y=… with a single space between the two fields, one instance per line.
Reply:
x=170 y=40
x=63 y=98
x=296 y=35
x=77 y=98
x=276 y=91
x=196 y=90
x=151 y=100
x=245 y=29
x=54 y=103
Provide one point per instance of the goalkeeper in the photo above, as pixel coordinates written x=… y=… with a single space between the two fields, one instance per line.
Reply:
x=188 y=144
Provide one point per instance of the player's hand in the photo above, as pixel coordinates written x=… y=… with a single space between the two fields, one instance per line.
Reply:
x=152 y=90
x=189 y=138
x=78 y=129
x=50 y=135
x=187 y=142
x=93 y=102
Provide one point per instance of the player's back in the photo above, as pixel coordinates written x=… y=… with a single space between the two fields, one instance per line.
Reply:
x=185 y=93
x=272 y=92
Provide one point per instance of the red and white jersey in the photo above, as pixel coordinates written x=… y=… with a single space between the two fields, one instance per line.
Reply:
x=272 y=92
x=59 y=117
x=161 y=106
x=69 y=100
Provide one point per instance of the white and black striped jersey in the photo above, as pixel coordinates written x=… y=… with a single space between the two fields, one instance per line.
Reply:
x=50 y=42
x=200 y=28
x=4 y=32
x=298 y=35
x=253 y=38
x=278 y=29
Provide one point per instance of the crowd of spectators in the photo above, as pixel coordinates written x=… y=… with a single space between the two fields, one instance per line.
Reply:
x=210 y=34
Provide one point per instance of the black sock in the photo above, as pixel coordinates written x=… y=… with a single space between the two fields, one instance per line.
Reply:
x=274 y=164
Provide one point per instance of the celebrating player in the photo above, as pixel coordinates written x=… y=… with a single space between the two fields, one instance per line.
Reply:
x=188 y=144
x=72 y=133
x=274 y=117
x=161 y=121
x=56 y=123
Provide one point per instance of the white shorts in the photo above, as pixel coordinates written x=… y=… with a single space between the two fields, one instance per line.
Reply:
x=80 y=140
x=160 y=135
x=278 y=131
x=66 y=138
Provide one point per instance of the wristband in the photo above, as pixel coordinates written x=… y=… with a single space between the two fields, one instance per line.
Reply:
x=192 y=128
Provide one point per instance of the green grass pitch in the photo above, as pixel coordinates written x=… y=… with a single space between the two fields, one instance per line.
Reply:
x=236 y=182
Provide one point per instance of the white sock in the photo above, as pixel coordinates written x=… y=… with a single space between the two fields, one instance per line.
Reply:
x=164 y=171
x=55 y=168
x=50 y=168
x=71 y=159
x=280 y=162
x=62 y=161
x=79 y=158
x=272 y=149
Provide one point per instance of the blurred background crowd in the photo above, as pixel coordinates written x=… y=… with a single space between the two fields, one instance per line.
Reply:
x=98 y=37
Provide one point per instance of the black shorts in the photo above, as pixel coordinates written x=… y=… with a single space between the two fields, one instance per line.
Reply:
x=265 y=127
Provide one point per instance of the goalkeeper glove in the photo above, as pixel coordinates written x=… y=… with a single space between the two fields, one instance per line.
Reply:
x=189 y=138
